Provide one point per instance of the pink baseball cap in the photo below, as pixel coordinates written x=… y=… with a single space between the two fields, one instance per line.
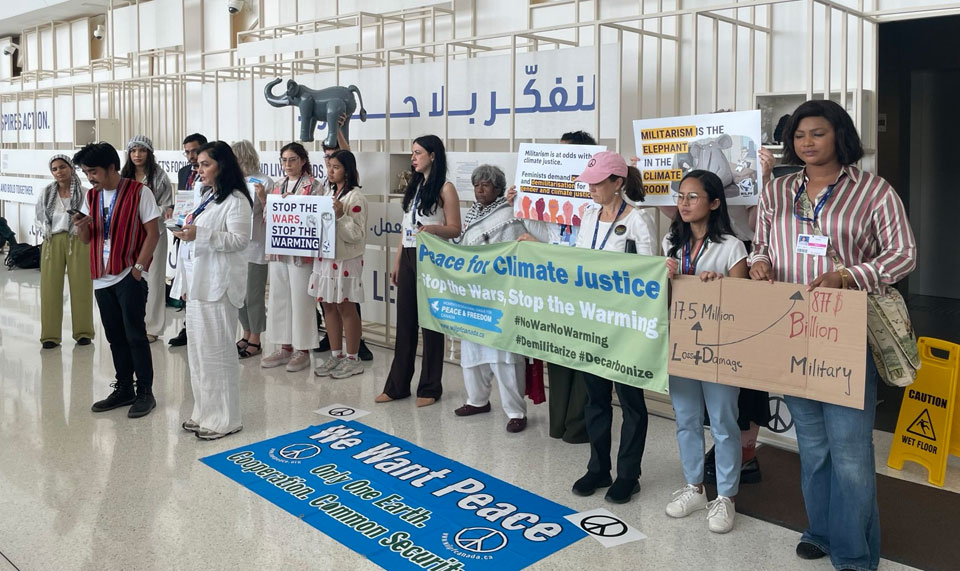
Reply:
x=601 y=166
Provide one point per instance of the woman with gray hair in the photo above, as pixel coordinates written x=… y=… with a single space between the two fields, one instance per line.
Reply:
x=253 y=314
x=490 y=220
x=141 y=166
x=63 y=253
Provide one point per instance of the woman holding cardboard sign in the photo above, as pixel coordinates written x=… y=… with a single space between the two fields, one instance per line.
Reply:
x=291 y=310
x=869 y=246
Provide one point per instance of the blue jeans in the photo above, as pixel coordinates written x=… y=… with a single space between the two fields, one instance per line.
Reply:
x=838 y=476
x=688 y=397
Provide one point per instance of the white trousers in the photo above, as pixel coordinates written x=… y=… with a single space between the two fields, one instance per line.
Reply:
x=214 y=364
x=291 y=311
x=512 y=379
x=156 y=316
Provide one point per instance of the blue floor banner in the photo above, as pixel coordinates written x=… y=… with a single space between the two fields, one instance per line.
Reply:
x=400 y=505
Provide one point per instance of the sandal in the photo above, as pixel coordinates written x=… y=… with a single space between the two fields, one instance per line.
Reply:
x=242 y=344
x=247 y=352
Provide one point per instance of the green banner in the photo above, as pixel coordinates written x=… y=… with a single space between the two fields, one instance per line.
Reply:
x=600 y=312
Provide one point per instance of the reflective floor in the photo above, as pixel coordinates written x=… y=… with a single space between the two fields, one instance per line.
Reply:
x=89 y=491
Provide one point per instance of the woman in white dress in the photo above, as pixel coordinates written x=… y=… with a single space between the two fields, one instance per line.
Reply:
x=217 y=232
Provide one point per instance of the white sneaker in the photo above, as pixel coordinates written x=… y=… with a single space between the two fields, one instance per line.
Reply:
x=347 y=368
x=299 y=361
x=327 y=366
x=275 y=359
x=720 y=514
x=686 y=500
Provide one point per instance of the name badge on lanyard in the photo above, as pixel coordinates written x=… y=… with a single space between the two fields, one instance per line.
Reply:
x=812 y=244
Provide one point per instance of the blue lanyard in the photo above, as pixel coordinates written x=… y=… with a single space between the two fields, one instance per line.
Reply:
x=690 y=262
x=108 y=216
x=596 y=229
x=816 y=210
x=200 y=209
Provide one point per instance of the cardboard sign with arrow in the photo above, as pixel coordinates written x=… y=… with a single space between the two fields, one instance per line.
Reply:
x=778 y=338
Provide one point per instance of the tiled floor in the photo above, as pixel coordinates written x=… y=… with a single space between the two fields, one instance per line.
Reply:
x=89 y=491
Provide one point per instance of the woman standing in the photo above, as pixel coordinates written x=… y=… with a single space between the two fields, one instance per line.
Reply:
x=430 y=204
x=63 y=252
x=871 y=247
x=218 y=232
x=490 y=221
x=702 y=242
x=141 y=166
x=253 y=314
x=291 y=310
x=337 y=283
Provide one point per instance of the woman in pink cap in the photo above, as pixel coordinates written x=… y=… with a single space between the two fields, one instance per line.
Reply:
x=615 y=226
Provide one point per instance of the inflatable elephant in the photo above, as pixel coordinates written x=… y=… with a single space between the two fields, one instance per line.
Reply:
x=319 y=105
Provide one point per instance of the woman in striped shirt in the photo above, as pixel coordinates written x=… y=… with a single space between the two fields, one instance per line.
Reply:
x=867 y=229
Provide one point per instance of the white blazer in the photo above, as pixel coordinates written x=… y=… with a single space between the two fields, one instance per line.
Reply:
x=219 y=253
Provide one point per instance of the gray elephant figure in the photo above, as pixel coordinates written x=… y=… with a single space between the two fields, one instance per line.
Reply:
x=319 y=105
x=708 y=154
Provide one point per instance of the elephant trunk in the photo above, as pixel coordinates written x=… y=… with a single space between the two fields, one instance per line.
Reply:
x=272 y=99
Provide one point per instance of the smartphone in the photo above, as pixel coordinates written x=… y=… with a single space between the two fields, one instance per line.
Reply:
x=74 y=212
x=630 y=247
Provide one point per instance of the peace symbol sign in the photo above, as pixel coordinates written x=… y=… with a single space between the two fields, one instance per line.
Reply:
x=341 y=411
x=780 y=419
x=480 y=539
x=603 y=526
x=299 y=451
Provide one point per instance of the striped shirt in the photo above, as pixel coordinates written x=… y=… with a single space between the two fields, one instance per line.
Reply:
x=864 y=220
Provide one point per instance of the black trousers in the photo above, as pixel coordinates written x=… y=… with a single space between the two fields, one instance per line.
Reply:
x=405 y=351
x=122 y=309
x=599 y=417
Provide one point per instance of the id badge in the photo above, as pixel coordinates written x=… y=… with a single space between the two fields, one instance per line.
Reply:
x=812 y=244
x=409 y=238
x=106 y=253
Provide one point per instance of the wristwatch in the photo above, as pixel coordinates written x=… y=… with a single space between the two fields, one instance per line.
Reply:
x=139 y=267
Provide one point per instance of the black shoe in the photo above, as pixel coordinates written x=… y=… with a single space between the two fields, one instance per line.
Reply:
x=589 y=483
x=750 y=472
x=83 y=341
x=324 y=345
x=122 y=395
x=364 y=351
x=180 y=340
x=622 y=490
x=710 y=466
x=142 y=405
x=809 y=551
x=50 y=344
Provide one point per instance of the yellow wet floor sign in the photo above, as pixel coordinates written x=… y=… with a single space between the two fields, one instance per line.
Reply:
x=924 y=428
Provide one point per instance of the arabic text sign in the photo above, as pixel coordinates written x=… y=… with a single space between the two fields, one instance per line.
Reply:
x=547 y=189
x=401 y=506
x=726 y=144
x=600 y=312
x=777 y=338
x=300 y=225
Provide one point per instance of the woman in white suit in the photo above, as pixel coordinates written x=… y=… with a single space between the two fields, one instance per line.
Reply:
x=217 y=232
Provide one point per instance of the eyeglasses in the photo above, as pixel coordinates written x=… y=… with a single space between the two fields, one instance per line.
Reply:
x=690 y=198
x=192 y=152
x=289 y=160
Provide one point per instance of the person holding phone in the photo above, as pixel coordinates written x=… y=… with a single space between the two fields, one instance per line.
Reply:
x=119 y=219
x=63 y=254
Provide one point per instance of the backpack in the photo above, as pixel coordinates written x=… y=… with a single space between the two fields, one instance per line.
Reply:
x=23 y=256
x=6 y=234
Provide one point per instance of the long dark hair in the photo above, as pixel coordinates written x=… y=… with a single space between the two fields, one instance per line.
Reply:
x=718 y=225
x=430 y=198
x=229 y=176
x=349 y=163
x=846 y=139
x=150 y=167
x=302 y=153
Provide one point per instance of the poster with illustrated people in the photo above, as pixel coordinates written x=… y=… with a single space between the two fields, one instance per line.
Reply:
x=725 y=144
x=547 y=187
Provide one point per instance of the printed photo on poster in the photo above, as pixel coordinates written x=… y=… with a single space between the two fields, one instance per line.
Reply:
x=546 y=181
x=726 y=144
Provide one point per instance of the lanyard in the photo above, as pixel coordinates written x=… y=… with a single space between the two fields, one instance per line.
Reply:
x=296 y=185
x=690 y=261
x=108 y=215
x=596 y=229
x=816 y=210
x=416 y=205
x=193 y=215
